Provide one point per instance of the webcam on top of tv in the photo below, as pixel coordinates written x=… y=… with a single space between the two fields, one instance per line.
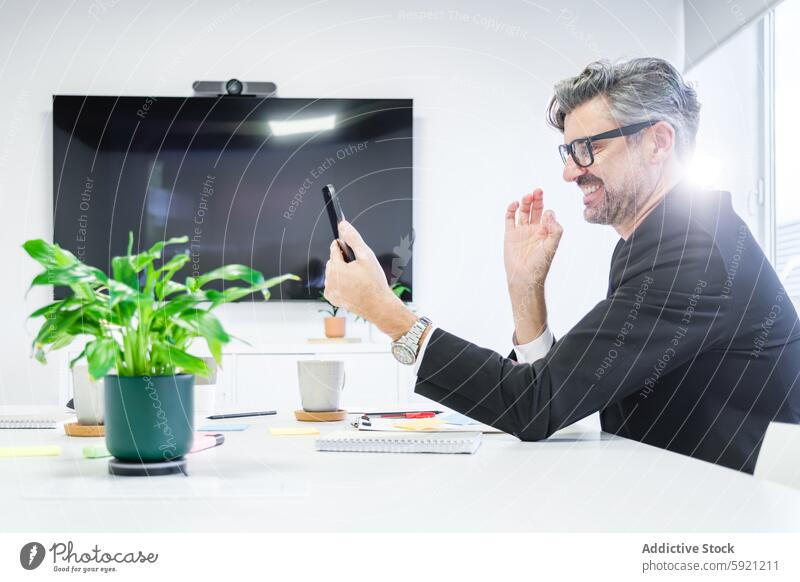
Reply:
x=234 y=87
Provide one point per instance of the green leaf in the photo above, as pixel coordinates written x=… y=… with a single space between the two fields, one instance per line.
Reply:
x=178 y=305
x=62 y=304
x=102 y=356
x=215 y=347
x=150 y=281
x=180 y=359
x=70 y=275
x=273 y=281
x=166 y=288
x=122 y=313
x=77 y=358
x=124 y=273
x=230 y=273
x=162 y=278
x=207 y=325
x=62 y=341
x=159 y=246
x=173 y=265
x=142 y=260
x=119 y=292
x=228 y=295
x=48 y=255
x=39 y=354
x=56 y=326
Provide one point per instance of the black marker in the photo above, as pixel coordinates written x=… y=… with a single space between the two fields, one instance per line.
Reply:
x=240 y=415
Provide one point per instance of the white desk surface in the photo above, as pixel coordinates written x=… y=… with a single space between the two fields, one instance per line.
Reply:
x=578 y=480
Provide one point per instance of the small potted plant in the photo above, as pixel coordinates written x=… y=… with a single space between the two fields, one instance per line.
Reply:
x=334 y=324
x=142 y=324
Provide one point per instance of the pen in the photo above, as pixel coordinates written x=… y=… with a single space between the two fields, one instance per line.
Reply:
x=240 y=414
x=406 y=415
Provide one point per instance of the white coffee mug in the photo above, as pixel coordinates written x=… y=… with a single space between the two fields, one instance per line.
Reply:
x=321 y=384
x=88 y=397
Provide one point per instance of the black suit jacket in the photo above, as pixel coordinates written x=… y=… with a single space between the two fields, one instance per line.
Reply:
x=695 y=349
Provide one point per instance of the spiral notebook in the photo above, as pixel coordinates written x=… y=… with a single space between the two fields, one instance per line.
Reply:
x=393 y=442
x=32 y=417
x=30 y=420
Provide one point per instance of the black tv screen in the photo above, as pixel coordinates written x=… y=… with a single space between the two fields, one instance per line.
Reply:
x=240 y=176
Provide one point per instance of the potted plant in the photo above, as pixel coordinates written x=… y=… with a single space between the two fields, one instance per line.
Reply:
x=334 y=323
x=142 y=324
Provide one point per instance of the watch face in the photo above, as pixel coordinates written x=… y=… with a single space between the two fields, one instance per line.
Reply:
x=403 y=354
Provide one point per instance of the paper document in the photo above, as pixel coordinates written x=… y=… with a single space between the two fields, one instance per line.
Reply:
x=438 y=424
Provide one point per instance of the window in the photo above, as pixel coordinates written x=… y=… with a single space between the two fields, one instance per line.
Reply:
x=786 y=103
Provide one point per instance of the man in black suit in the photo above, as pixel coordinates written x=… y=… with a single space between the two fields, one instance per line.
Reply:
x=696 y=347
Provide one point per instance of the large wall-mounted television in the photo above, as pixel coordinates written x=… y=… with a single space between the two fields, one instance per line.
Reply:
x=241 y=176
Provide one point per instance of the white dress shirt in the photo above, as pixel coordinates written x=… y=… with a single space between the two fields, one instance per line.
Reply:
x=526 y=353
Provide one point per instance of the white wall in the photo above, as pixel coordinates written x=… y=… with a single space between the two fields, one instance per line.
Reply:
x=480 y=74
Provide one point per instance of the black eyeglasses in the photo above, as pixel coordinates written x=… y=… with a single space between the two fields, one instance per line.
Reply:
x=581 y=149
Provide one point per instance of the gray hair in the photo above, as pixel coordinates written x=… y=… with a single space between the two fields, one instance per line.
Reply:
x=637 y=90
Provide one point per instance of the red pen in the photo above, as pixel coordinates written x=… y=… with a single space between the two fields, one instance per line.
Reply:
x=407 y=415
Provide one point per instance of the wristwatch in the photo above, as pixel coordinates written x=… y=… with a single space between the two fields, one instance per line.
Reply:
x=406 y=347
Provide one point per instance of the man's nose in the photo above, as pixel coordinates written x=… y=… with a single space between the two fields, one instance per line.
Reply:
x=572 y=170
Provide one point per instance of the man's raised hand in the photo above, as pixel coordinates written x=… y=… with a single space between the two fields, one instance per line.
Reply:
x=531 y=239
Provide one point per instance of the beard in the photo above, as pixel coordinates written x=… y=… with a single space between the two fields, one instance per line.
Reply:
x=617 y=205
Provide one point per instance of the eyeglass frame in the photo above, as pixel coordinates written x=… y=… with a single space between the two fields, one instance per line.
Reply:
x=569 y=148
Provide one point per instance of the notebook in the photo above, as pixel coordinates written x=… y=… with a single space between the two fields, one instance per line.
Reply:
x=394 y=442
x=31 y=420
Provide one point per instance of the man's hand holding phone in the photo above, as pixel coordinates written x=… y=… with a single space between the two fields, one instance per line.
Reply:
x=360 y=286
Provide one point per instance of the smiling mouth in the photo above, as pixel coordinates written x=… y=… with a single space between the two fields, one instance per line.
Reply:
x=592 y=192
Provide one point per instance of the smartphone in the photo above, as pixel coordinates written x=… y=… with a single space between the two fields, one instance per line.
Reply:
x=336 y=215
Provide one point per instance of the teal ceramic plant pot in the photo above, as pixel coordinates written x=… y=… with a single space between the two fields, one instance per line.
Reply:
x=149 y=418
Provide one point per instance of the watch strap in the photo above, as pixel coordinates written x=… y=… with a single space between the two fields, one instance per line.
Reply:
x=412 y=336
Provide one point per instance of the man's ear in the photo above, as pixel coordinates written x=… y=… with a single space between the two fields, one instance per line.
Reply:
x=662 y=141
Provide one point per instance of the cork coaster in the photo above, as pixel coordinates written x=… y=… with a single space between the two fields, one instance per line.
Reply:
x=331 y=416
x=80 y=430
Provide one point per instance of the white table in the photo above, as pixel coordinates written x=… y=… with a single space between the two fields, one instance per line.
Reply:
x=579 y=480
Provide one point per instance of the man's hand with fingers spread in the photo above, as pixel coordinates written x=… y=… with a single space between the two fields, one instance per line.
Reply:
x=360 y=286
x=531 y=240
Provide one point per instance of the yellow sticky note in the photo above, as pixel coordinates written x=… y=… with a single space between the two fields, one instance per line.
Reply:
x=420 y=424
x=30 y=451
x=293 y=430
